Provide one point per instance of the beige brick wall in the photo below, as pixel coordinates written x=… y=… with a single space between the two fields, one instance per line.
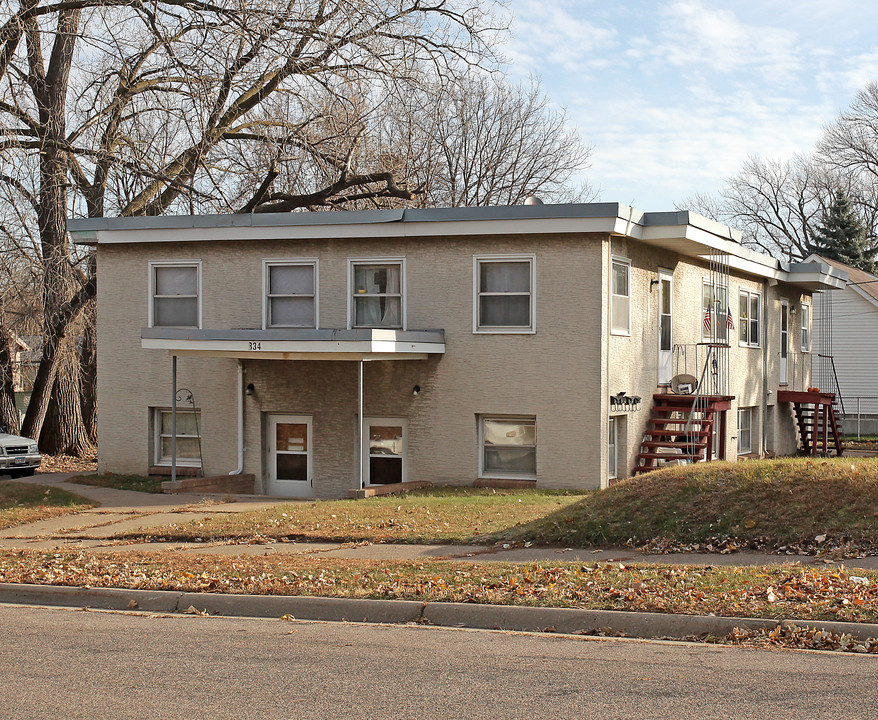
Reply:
x=553 y=375
x=562 y=375
x=633 y=361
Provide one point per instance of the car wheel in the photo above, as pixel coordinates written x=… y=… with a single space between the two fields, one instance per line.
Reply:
x=26 y=473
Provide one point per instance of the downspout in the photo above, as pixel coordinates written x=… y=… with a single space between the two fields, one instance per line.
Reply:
x=238 y=470
x=765 y=368
x=360 y=444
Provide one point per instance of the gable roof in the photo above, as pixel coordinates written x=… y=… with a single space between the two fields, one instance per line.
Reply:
x=864 y=282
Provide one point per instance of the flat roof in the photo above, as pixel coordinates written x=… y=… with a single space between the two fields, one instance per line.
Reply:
x=682 y=232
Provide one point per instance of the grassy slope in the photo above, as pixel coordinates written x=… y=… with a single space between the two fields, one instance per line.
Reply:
x=22 y=503
x=762 y=503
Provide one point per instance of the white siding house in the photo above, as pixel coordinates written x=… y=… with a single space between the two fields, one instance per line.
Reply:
x=846 y=328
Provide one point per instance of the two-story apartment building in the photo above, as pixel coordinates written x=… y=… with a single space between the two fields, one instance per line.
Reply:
x=325 y=352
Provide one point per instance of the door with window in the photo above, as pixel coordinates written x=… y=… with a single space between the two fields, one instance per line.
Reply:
x=289 y=456
x=784 y=341
x=384 y=448
x=665 y=324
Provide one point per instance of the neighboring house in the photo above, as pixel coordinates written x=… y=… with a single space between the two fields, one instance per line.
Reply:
x=846 y=328
x=329 y=351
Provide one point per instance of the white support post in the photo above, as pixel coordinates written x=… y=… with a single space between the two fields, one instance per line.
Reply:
x=173 y=418
x=361 y=444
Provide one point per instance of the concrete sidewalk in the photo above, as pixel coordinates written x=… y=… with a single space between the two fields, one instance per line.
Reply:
x=123 y=511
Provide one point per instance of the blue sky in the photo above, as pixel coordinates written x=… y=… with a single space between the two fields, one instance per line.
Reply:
x=674 y=95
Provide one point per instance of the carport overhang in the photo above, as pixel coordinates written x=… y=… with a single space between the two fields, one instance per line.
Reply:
x=297 y=343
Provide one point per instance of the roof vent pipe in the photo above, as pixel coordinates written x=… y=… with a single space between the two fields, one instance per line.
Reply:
x=532 y=200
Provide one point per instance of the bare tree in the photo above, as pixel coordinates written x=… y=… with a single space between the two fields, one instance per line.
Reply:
x=482 y=141
x=131 y=108
x=779 y=204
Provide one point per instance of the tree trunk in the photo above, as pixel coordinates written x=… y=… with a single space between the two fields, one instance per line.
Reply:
x=9 y=417
x=64 y=431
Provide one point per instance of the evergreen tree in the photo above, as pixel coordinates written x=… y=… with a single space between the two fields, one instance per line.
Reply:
x=841 y=235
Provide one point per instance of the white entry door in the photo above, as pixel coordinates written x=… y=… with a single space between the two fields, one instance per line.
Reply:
x=784 y=341
x=384 y=460
x=289 y=456
x=666 y=327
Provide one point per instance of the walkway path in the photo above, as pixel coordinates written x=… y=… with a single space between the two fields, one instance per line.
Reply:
x=123 y=511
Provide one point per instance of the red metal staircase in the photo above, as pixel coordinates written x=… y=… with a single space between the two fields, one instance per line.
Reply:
x=817 y=419
x=680 y=427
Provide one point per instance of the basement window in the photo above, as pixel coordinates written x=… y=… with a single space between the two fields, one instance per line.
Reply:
x=188 y=437
x=509 y=447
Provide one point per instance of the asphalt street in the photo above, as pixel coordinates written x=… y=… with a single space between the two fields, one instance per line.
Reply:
x=62 y=663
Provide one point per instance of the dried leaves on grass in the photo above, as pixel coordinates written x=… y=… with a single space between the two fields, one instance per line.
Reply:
x=67 y=463
x=780 y=592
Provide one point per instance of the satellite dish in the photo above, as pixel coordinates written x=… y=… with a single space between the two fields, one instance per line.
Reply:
x=684 y=384
x=532 y=200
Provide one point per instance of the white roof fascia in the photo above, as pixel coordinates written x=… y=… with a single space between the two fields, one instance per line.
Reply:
x=363 y=230
x=243 y=348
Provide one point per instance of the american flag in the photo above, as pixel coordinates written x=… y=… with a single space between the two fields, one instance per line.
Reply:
x=707 y=322
x=729 y=322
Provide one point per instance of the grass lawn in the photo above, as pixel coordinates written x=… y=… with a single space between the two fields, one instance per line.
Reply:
x=438 y=515
x=787 y=592
x=22 y=503
x=866 y=442
x=810 y=504
x=122 y=482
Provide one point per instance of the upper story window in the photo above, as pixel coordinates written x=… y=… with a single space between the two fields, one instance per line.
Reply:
x=175 y=294
x=290 y=293
x=748 y=318
x=715 y=313
x=806 y=327
x=504 y=299
x=620 y=297
x=377 y=293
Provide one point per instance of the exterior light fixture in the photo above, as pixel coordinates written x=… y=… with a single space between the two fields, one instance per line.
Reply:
x=250 y=389
x=416 y=390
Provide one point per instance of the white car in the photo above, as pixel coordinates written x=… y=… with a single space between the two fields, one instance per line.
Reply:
x=19 y=456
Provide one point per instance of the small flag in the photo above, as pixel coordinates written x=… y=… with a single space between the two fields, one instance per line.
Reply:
x=729 y=322
x=707 y=322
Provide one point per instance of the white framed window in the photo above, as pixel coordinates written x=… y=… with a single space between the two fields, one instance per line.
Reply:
x=175 y=294
x=612 y=451
x=745 y=430
x=188 y=437
x=376 y=293
x=748 y=318
x=290 y=293
x=508 y=447
x=620 y=296
x=716 y=316
x=806 y=327
x=503 y=293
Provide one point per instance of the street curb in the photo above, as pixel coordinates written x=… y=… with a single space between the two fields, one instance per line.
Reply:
x=456 y=615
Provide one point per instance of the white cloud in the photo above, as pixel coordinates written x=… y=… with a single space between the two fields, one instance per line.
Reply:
x=655 y=155
x=552 y=35
x=694 y=37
